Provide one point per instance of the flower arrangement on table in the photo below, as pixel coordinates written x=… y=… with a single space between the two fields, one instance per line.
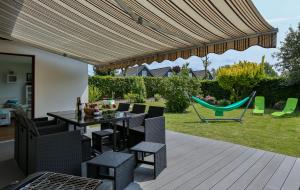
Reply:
x=92 y=109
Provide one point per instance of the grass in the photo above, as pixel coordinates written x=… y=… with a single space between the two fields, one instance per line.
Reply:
x=281 y=135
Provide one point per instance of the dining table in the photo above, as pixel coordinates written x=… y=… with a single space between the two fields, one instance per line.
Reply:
x=82 y=121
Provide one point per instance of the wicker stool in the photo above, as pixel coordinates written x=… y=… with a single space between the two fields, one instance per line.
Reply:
x=121 y=163
x=158 y=151
x=99 y=136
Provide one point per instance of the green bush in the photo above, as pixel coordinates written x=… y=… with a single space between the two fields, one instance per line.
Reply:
x=176 y=89
x=94 y=94
x=241 y=77
x=212 y=88
x=130 y=97
x=223 y=102
x=154 y=85
x=157 y=97
x=119 y=86
x=273 y=89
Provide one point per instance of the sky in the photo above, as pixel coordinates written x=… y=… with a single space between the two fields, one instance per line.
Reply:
x=281 y=14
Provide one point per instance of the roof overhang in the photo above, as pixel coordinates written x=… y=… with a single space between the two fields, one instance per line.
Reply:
x=121 y=33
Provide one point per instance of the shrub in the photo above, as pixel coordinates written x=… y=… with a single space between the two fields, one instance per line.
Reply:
x=212 y=87
x=210 y=99
x=157 y=97
x=130 y=97
x=176 y=90
x=223 y=102
x=94 y=94
x=119 y=86
x=279 y=105
x=154 y=85
x=240 y=78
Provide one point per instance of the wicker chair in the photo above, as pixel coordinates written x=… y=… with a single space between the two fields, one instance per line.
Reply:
x=53 y=149
x=138 y=108
x=123 y=107
x=152 y=131
x=155 y=111
x=21 y=137
x=42 y=147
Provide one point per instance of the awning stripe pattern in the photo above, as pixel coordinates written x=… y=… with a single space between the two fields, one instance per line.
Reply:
x=104 y=32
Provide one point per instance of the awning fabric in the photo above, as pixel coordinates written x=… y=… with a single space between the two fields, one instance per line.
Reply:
x=122 y=33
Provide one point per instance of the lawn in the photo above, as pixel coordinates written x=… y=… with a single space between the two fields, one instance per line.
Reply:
x=281 y=135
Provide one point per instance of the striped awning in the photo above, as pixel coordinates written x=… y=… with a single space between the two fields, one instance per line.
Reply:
x=122 y=33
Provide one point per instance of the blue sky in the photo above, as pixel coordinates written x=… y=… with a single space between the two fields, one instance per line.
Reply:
x=280 y=14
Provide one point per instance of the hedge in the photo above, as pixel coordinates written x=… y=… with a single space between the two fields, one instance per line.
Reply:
x=118 y=85
x=273 y=89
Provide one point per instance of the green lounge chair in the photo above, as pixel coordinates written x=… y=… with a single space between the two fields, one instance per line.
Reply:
x=290 y=107
x=259 y=105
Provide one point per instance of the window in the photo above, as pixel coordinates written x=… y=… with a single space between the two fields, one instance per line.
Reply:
x=170 y=74
x=144 y=73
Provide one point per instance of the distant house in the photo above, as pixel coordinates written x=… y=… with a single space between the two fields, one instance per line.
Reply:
x=201 y=74
x=162 y=72
x=144 y=71
x=141 y=70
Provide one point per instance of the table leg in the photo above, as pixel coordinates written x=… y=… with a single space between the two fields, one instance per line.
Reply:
x=114 y=136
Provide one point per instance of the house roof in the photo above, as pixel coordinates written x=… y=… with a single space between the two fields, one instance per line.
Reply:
x=201 y=73
x=160 y=72
x=134 y=71
x=121 y=33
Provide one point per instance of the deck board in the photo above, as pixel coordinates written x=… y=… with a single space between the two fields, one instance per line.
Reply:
x=293 y=179
x=278 y=179
x=201 y=163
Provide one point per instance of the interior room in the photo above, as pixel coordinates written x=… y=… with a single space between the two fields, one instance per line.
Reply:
x=16 y=87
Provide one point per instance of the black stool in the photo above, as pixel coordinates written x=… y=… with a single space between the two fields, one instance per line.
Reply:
x=158 y=151
x=99 y=136
x=121 y=163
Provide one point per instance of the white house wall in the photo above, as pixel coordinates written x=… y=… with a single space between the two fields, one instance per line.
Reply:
x=58 y=80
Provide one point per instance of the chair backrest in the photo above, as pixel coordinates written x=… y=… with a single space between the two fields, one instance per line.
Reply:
x=123 y=107
x=155 y=130
x=136 y=121
x=138 y=108
x=291 y=105
x=155 y=111
x=259 y=102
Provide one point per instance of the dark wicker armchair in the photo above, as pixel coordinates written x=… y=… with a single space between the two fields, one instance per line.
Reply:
x=138 y=108
x=155 y=111
x=40 y=147
x=54 y=149
x=123 y=107
x=152 y=131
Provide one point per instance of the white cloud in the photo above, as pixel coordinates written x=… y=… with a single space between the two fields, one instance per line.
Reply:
x=283 y=19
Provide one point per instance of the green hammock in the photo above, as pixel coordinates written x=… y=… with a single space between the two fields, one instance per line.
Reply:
x=219 y=111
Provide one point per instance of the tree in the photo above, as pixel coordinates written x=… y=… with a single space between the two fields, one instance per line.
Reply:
x=206 y=62
x=240 y=78
x=105 y=72
x=176 y=69
x=288 y=56
x=269 y=70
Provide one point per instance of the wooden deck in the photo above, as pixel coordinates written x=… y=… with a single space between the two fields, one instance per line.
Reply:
x=200 y=163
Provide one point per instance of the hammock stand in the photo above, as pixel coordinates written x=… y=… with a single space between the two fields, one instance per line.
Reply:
x=220 y=110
